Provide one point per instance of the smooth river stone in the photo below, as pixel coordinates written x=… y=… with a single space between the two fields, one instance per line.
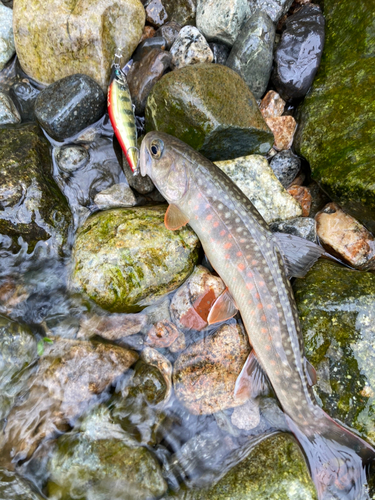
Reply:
x=190 y=47
x=274 y=8
x=7 y=48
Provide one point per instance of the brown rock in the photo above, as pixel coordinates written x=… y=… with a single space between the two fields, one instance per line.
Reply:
x=283 y=128
x=162 y=334
x=148 y=32
x=345 y=237
x=272 y=105
x=144 y=74
x=205 y=373
x=70 y=378
x=113 y=326
x=303 y=196
x=169 y=32
x=156 y=13
x=192 y=302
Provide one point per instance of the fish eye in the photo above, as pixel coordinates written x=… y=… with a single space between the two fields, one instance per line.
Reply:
x=156 y=148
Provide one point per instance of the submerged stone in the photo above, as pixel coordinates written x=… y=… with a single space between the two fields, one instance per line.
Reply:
x=13 y=487
x=125 y=259
x=337 y=121
x=209 y=107
x=336 y=309
x=181 y=11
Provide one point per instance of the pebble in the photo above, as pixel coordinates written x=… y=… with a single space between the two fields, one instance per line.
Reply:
x=297 y=56
x=169 y=32
x=118 y=195
x=220 y=52
x=148 y=32
x=155 y=13
x=273 y=8
x=181 y=11
x=272 y=105
x=303 y=196
x=304 y=227
x=283 y=129
x=345 y=237
x=205 y=374
x=253 y=175
x=252 y=53
x=155 y=358
x=247 y=416
x=25 y=95
x=68 y=106
x=286 y=166
x=221 y=20
x=162 y=334
x=191 y=304
x=144 y=74
x=190 y=47
x=7 y=48
x=111 y=327
x=156 y=42
x=71 y=158
x=8 y=111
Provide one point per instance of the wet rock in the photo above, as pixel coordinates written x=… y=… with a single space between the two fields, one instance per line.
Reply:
x=283 y=128
x=13 y=487
x=144 y=74
x=191 y=304
x=156 y=42
x=209 y=107
x=345 y=237
x=68 y=106
x=220 y=52
x=205 y=374
x=256 y=179
x=162 y=334
x=158 y=311
x=118 y=195
x=252 y=53
x=275 y=9
x=304 y=227
x=336 y=309
x=272 y=105
x=297 y=56
x=328 y=138
x=7 y=48
x=181 y=11
x=285 y=166
x=24 y=94
x=56 y=39
x=274 y=468
x=221 y=20
x=142 y=185
x=113 y=326
x=32 y=207
x=8 y=111
x=155 y=13
x=18 y=351
x=124 y=259
x=154 y=358
x=102 y=461
x=71 y=158
x=318 y=198
x=169 y=32
x=247 y=416
x=190 y=47
x=148 y=32
x=303 y=196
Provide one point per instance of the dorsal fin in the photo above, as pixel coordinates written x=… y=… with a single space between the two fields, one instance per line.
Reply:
x=252 y=380
x=223 y=308
x=174 y=218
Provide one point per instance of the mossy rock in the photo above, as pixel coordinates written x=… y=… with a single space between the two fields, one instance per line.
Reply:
x=336 y=131
x=337 y=313
x=31 y=204
x=125 y=259
x=209 y=107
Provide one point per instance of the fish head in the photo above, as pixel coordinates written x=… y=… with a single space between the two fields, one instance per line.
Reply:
x=161 y=159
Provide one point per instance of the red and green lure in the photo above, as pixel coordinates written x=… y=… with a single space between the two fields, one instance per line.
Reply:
x=121 y=114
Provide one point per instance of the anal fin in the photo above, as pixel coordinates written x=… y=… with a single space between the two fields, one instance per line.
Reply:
x=252 y=381
x=223 y=308
x=174 y=218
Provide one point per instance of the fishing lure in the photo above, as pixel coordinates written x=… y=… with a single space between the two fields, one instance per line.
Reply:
x=121 y=113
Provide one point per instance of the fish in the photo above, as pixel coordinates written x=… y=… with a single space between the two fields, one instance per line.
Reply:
x=255 y=266
x=121 y=114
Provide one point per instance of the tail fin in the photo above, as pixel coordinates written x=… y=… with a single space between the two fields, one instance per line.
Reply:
x=338 y=460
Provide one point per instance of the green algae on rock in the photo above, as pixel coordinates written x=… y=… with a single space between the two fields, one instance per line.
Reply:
x=337 y=312
x=31 y=204
x=274 y=469
x=125 y=259
x=336 y=130
x=58 y=38
x=101 y=461
x=209 y=107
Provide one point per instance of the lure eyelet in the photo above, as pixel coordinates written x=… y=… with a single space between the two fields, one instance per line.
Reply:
x=156 y=148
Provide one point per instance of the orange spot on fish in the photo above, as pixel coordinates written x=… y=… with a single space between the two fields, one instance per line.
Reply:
x=199 y=195
x=216 y=224
x=241 y=266
x=196 y=207
x=257 y=296
x=209 y=217
x=254 y=262
x=227 y=245
x=260 y=306
x=264 y=330
x=263 y=318
x=261 y=283
x=249 y=286
x=230 y=236
x=267 y=347
x=239 y=254
x=227 y=256
x=269 y=306
x=222 y=232
x=273 y=362
x=196 y=217
x=250 y=274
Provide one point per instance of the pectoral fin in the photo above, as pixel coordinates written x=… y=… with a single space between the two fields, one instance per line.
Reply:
x=299 y=255
x=252 y=381
x=174 y=218
x=223 y=308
